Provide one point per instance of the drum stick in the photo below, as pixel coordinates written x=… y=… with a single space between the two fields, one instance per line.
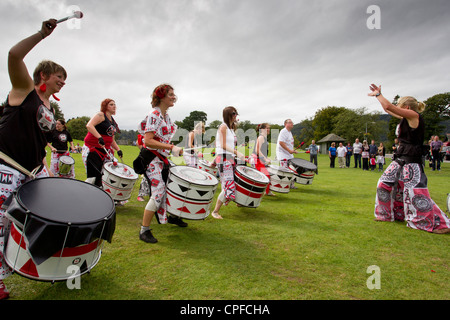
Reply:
x=76 y=15
x=194 y=148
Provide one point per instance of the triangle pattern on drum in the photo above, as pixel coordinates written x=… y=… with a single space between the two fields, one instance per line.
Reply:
x=184 y=209
x=29 y=268
x=202 y=192
x=201 y=211
x=183 y=188
x=112 y=181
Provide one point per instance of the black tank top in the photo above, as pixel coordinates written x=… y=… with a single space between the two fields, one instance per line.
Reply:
x=264 y=148
x=23 y=131
x=411 y=140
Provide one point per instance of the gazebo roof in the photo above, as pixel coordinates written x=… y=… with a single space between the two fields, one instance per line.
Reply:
x=331 y=138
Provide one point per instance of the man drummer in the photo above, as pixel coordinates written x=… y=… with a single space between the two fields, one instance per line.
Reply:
x=285 y=146
x=57 y=141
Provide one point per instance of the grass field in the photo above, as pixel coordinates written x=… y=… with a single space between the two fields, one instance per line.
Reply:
x=316 y=242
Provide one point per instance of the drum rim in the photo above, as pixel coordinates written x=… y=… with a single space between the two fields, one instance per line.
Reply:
x=193 y=182
x=107 y=167
x=266 y=180
x=311 y=166
x=19 y=200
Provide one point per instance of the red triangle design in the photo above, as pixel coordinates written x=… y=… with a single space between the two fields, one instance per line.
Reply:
x=107 y=190
x=201 y=211
x=29 y=268
x=184 y=209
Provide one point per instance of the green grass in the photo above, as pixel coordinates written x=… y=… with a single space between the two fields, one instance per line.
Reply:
x=315 y=242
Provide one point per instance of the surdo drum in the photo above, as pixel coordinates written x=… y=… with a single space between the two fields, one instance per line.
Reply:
x=303 y=170
x=66 y=164
x=118 y=180
x=57 y=223
x=207 y=167
x=250 y=186
x=280 y=178
x=190 y=192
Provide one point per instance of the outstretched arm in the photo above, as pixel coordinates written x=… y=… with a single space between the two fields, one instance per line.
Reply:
x=21 y=81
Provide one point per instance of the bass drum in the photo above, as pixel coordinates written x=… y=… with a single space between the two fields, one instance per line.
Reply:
x=57 y=223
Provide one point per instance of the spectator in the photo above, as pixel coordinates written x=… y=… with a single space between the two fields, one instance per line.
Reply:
x=341 y=152
x=332 y=154
x=357 y=151
x=435 y=149
x=348 y=156
x=365 y=155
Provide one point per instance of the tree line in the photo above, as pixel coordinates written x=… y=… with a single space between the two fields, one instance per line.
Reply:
x=345 y=122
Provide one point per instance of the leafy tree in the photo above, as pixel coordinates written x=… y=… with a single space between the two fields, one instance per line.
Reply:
x=324 y=121
x=77 y=127
x=437 y=110
x=188 y=123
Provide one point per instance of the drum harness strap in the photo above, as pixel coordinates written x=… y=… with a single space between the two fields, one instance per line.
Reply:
x=10 y=161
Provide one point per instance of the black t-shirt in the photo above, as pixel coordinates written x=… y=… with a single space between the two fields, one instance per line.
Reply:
x=23 y=129
x=59 y=139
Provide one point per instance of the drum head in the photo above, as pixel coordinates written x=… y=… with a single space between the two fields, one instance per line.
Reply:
x=204 y=162
x=252 y=174
x=121 y=170
x=301 y=163
x=67 y=160
x=65 y=200
x=194 y=175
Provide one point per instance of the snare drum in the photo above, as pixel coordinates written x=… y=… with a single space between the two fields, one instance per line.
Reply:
x=57 y=223
x=207 y=167
x=66 y=164
x=118 y=180
x=250 y=186
x=280 y=178
x=190 y=192
x=304 y=170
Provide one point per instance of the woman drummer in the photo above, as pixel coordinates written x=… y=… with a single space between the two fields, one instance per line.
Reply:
x=226 y=143
x=259 y=156
x=195 y=136
x=99 y=143
x=405 y=175
x=26 y=118
x=158 y=135
x=57 y=141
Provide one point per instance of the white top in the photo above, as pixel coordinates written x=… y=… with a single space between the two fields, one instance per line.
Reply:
x=286 y=137
x=231 y=140
x=341 y=151
x=357 y=148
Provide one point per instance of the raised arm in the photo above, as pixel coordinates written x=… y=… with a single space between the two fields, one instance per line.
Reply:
x=21 y=81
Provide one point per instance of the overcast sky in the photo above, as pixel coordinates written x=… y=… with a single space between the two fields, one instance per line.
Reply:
x=271 y=59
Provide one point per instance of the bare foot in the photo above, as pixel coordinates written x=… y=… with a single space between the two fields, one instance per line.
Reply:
x=216 y=215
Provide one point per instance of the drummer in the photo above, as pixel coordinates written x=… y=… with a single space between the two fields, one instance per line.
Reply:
x=285 y=146
x=194 y=138
x=226 y=142
x=99 y=143
x=57 y=141
x=259 y=156
x=159 y=132
x=27 y=117
x=144 y=189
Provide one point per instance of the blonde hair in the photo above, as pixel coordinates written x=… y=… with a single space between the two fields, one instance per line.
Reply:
x=412 y=102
